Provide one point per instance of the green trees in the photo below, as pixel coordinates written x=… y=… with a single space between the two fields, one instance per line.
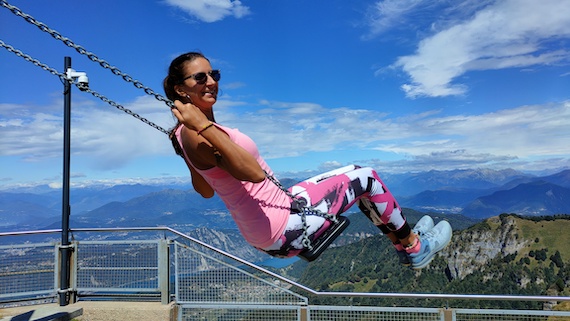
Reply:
x=372 y=264
x=557 y=259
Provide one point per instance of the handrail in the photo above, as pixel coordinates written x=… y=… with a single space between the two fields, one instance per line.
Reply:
x=303 y=287
x=30 y=232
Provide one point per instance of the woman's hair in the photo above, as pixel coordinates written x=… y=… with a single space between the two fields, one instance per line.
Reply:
x=176 y=73
x=174 y=77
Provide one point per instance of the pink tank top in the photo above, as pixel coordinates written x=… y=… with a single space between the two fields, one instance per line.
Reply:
x=260 y=210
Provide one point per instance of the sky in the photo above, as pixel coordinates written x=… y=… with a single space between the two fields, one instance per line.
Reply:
x=399 y=85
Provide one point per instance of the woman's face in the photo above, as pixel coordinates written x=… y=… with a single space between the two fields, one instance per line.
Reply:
x=202 y=95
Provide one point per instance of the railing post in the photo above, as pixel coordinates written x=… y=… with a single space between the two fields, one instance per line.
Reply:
x=64 y=249
x=163 y=271
x=447 y=314
x=304 y=311
x=73 y=272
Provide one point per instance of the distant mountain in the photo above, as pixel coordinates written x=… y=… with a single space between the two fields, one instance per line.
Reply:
x=86 y=199
x=407 y=184
x=91 y=197
x=25 y=210
x=442 y=201
x=534 y=198
x=477 y=193
x=25 y=216
x=288 y=182
x=525 y=195
x=163 y=208
x=562 y=178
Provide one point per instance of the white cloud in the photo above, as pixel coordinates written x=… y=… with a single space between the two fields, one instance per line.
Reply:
x=290 y=129
x=293 y=129
x=525 y=132
x=505 y=34
x=211 y=10
x=29 y=134
x=108 y=139
x=384 y=15
x=446 y=160
x=115 y=138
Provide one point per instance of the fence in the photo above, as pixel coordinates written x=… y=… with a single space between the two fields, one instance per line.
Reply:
x=205 y=283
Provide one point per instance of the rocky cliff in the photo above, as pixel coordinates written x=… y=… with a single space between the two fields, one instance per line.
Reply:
x=474 y=248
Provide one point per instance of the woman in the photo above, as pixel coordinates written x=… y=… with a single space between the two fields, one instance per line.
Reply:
x=224 y=161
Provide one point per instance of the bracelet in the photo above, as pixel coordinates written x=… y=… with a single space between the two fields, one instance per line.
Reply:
x=204 y=128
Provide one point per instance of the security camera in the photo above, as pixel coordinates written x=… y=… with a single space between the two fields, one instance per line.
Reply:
x=83 y=82
x=81 y=77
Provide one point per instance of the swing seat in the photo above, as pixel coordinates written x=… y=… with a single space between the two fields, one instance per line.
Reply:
x=321 y=243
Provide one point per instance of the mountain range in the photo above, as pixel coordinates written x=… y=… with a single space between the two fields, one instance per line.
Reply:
x=491 y=252
x=476 y=194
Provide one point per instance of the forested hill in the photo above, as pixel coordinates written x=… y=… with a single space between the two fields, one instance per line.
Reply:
x=507 y=254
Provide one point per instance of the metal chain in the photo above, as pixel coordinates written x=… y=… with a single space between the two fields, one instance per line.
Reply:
x=68 y=42
x=81 y=87
x=121 y=108
x=32 y=60
x=305 y=210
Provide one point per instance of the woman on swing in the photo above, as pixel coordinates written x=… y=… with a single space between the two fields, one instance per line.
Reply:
x=225 y=161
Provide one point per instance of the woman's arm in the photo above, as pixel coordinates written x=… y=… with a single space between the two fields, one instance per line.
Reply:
x=200 y=184
x=213 y=147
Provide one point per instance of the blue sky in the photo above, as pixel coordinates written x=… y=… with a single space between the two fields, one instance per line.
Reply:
x=400 y=85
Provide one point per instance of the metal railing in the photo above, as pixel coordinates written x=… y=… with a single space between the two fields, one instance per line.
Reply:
x=205 y=283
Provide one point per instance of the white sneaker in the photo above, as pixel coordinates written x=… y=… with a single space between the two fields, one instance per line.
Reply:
x=432 y=242
x=423 y=225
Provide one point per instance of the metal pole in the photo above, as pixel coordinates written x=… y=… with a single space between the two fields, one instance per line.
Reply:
x=65 y=248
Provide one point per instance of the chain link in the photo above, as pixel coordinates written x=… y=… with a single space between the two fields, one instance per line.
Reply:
x=81 y=86
x=121 y=108
x=36 y=62
x=305 y=210
x=68 y=42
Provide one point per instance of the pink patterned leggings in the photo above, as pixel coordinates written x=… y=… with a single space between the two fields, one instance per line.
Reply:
x=334 y=193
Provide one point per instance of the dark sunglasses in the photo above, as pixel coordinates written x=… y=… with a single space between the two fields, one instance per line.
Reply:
x=202 y=77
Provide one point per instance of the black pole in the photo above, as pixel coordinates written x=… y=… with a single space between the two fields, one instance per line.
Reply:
x=65 y=248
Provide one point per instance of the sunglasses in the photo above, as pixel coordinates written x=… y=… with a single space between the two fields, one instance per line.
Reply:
x=202 y=77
